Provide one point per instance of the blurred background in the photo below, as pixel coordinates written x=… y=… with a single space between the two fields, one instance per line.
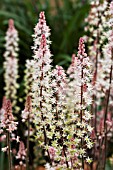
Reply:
x=66 y=21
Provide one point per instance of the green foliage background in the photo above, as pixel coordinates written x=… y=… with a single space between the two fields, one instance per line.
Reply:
x=65 y=18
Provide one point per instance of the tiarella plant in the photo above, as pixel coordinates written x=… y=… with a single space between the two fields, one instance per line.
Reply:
x=102 y=78
x=21 y=156
x=27 y=117
x=8 y=126
x=95 y=28
x=11 y=64
x=41 y=78
x=57 y=125
x=69 y=113
x=54 y=123
x=82 y=92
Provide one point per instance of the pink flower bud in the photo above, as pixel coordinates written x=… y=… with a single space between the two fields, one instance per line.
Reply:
x=52 y=152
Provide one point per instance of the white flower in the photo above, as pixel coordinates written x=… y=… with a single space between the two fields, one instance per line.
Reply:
x=5 y=149
x=89 y=160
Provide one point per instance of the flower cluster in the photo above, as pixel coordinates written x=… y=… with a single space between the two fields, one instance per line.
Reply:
x=102 y=84
x=40 y=29
x=95 y=28
x=28 y=79
x=57 y=131
x=55 y=124
x=11 y=64
x=8 y=126
x=41 y=79
x=7 y=123
x=27 y=112
x=27 y=116
x=21 y=155
x=80 y=81
x=11 y=41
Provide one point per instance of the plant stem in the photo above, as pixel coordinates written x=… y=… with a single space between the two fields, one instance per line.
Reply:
x=81 y=113
x=27 y=156
x=41 y=95
x=106 y=111
x=96 y=66
x=9 y=151
x=2 y=157
x=20 y=167
x=65 y=157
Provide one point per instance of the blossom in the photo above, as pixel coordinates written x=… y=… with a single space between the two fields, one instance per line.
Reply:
x=79 y=94
x=18 y=139
x=8 y=122
x=72 y=67
x=11 y=41
x=41 y=28
x=55 y=124
x=5 y=149
x=21 y=155
x=11 y=64
x=95 y=29
x=27 y=112
x=41 y=79
x=52 y=152
x=2 y=111
x=101 y=56
x=88 y=160
x=48 y=167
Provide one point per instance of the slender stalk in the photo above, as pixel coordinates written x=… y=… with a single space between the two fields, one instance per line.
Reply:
x=81 y=114
x=57 y=98
x=96 y=70
x=27 y=156
x=2 y=157
x=96 y=66
x=71 y=164
x=9 y=151
x=44 y=130
x=65 y=157
x=56 y=106
x=106 y=111
x=20 y=167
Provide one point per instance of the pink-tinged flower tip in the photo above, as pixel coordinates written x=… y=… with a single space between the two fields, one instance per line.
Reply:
x=11 y=24
x=22 y=149
x=8 y=107
x=73 y=59
x=42 y=15
x=81 y=40
x=59 y=70
x=21 y=153
x=43 y=38
x=8 y=112
x=81 y=49
x=28 y=106
x=52 y=152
